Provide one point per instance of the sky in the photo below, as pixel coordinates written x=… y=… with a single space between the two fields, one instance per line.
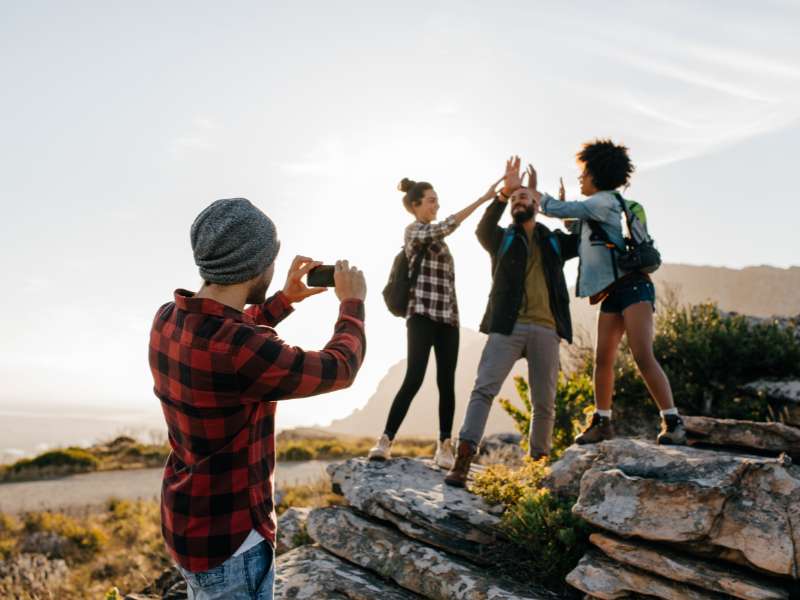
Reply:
x=120 y=121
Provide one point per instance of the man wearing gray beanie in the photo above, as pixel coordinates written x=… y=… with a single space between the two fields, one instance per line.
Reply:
x=219 y=370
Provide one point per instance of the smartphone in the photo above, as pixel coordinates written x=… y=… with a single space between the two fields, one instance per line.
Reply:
x=321 y=276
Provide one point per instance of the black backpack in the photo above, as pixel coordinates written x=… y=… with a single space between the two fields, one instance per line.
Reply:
x=399 y=288
x=640 y=253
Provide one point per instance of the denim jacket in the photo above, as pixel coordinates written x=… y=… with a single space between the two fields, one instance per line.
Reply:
x=598 y=264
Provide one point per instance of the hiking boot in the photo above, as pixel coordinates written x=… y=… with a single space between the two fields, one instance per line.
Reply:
x=457 y=476
x=672 y=431
x=444 y=454
x=599 y=429
x=382 y=450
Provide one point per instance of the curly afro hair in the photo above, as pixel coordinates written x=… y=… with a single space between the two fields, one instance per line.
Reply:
x=607 y=163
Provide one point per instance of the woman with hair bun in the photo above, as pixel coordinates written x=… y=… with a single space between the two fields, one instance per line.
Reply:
x=432 y=314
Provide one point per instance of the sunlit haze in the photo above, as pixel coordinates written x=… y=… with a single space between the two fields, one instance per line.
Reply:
x=121 y=121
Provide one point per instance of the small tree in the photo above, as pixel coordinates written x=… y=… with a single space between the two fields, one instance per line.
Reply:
x=574 y=395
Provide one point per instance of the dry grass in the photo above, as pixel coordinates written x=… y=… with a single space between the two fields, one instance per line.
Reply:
x=120 y=545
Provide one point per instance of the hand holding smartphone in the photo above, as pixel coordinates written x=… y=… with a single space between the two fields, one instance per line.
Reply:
x=321 y=276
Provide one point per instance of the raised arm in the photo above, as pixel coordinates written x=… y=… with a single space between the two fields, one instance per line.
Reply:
x=269 y=369
x=593 y=208
x=424 y=233
x=490 y=234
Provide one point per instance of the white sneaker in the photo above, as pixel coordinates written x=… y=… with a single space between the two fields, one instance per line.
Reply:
x=444 y=454
x=382 y=450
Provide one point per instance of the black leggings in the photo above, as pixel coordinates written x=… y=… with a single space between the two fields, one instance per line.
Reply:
x=422 y=334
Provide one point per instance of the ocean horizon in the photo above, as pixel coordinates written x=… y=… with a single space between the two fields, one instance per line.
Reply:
x=36 y=429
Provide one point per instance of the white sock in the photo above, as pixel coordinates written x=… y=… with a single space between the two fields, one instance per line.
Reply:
x=603 y=413
x=669 y=411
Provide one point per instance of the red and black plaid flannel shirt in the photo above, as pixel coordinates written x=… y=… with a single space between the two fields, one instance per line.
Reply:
x=435 y=292
x=218 y=373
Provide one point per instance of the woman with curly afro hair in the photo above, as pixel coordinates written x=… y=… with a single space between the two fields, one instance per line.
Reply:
x=627 y=299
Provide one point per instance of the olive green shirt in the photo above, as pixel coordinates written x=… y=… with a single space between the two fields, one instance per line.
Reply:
x=535 y=307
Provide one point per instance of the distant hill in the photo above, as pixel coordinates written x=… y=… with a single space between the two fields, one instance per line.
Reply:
x=759 y=291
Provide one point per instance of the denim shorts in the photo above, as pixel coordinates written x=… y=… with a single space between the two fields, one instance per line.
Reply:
x=629 y=292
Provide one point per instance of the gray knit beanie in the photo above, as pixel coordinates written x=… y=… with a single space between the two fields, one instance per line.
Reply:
x=233 y=241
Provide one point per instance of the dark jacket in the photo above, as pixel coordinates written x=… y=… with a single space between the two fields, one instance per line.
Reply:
x=508 y=277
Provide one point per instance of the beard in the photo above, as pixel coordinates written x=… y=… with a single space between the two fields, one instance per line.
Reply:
x=524 y=215
x=258 y=293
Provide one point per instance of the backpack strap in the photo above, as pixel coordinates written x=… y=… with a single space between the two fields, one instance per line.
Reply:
x=417 y=266
x=623 y=205
x=556 y=246
x=508 y=238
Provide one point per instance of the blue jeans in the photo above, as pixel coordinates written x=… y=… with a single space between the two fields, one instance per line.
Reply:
x=249 y=576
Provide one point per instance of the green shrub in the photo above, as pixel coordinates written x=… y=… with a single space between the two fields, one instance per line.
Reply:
x=547 y=541
x=548 y=538
x=499 y=484
x=85 y=541
x=54 y=462
x=707 y=357
x=574 y=397
x=295 y=452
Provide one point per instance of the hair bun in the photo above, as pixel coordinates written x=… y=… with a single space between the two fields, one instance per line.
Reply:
x=406 y=184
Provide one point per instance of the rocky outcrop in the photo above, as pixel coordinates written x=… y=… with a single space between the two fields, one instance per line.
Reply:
x=32 y=573
x=600 y=577
x=314 y=574
x=415 y=566
x=690 y=570
x=411 y=494
x=292 y=529
x=696 y=523
x=745 y=508
x=766 y=438
x=711 y=522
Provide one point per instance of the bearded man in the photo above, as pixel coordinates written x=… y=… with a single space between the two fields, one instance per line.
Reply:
x=527 y=316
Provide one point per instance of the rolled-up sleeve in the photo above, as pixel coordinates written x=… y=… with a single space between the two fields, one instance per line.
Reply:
x=268 y=369
x=424 y=233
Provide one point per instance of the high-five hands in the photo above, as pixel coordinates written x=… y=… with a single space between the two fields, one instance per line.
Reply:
x=513 y=181
x=533 y=183
x=492 y=191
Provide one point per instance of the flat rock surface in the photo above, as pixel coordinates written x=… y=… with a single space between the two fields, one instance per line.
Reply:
x=745 y=508
x=414 y=566
x=687 y=569
x=314 y=574
x=411 y=494
x=291 y=529
x=600 y=577
x=771 y=438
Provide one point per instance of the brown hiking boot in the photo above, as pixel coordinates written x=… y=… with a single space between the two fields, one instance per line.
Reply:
x=598 y=430
x=672 y=431
x=457 y=476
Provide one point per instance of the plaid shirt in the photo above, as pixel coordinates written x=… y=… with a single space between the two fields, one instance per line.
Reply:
x=435 y=292
x=218 y=373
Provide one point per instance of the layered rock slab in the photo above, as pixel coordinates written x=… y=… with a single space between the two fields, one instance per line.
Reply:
x=411 y=564
x=314 y=574
x=689 y=570
x=600 y=577
x=412 y=495
x=772 y=438
x=744 y=508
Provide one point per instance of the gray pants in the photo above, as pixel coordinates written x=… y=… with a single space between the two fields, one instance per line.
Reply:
x=540 y=346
